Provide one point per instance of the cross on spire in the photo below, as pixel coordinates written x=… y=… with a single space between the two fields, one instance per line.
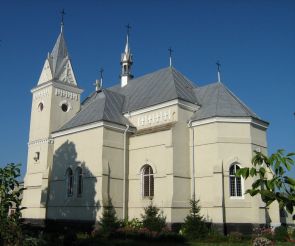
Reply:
x=170 y=56
x=101 y=74
x=62 y=14
x=128 y=28
x=98 y=83
x=218 y=70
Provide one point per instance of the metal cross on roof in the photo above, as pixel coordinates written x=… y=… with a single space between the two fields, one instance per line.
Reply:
x=170 y=56
x=62 y=14
x=218 y=66
x=101 y=73
x=218 y=70
x=128 y=27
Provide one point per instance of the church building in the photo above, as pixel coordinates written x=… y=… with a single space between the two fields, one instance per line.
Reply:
x=157 y=138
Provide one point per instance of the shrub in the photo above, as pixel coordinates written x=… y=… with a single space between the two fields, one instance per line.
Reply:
x=70 y=238
x=235 y=236
x=153 y=219
x=262 y=241
x=281 y=233
x=215 y=236
x=109 y=221
x=263 y=231
x=135 y=223
x=194 y=226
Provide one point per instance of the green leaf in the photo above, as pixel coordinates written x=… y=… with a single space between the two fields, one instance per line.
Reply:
x=289 y=180
x=253 y=172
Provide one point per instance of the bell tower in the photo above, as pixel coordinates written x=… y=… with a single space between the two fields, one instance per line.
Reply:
x=55 y=100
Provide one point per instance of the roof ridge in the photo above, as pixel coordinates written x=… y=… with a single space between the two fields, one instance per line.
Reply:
x=173 y=78
x=217 y=102
x=245 y=108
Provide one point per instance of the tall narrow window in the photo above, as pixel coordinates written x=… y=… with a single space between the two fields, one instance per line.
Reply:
x=147 y=179
x=235 y=182
x=70 y=182
x=79 y=181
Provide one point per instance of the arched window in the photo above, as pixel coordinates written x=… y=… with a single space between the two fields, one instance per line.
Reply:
x=235 y=182
x=147 y=179
x=70 y=182
x=79 y=176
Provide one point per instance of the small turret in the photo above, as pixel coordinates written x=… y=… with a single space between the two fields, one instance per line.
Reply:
x=126 y=62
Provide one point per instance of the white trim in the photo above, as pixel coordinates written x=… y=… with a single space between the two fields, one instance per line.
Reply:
x=40 y=141
x=182 y=103
x=236 y=188
x=59 y=85
x=248 y=120
x=88 y=127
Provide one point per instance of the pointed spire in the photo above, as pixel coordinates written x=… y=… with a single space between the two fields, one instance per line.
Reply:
x=62 y=14
x=218 y=71
x=58 y=65
x=126 y=61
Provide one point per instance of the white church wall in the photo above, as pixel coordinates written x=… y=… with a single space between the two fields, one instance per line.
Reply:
x=112 y=169
x=155 y=150
x=218 y=144
x=71 y=151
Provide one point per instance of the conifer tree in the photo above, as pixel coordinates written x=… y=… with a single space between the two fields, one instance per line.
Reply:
x=109 y=221
x=194 y=224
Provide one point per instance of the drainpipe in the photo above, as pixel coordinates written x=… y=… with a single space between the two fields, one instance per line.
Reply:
x=124 y=174
x=193 y=159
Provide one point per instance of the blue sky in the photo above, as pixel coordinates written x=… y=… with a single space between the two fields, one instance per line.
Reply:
x=254 y=41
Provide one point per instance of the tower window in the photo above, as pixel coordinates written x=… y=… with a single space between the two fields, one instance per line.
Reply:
x=64 y=107
x=147 y=179
x=235 y=182
x=79 y=176
x=36 y=156
x=40 y=106
x=70 y=182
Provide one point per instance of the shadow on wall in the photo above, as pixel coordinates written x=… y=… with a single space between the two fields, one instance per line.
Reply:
x=71 y=195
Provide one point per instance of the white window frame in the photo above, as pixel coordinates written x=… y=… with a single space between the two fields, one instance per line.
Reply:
x=142 y=181
x=235 y=165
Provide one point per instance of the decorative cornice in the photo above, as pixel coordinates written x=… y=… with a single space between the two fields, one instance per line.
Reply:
x=91 y=126
x=58 y=85
x=41 y=141
x=183 y=104
x=248 y=120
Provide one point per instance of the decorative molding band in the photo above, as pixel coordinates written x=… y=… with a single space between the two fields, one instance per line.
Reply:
x=67 y=94
x=59 y=85
x=41 y=93
x=248 y=120
x=182 y=103
x=91 y=126
x=41 y=141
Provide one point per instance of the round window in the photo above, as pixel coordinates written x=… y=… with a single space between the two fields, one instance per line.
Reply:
x=40 y=106
x=64 y=107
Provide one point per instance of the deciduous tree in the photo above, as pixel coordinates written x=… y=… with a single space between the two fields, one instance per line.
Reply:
x=272 y=183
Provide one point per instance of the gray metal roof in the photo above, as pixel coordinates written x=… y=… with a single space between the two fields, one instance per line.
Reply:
x=103 y=106
x=217 y=100
x=154 y=88
x=59 y=56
